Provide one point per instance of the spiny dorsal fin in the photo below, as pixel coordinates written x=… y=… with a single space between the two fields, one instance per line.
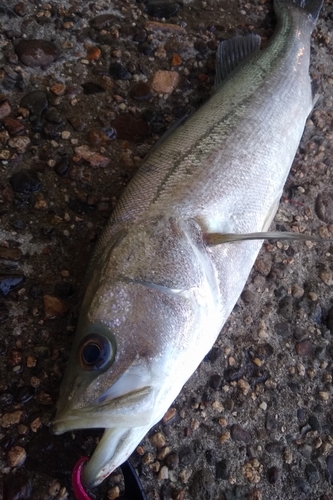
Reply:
x=231 y=53
x=213 y=239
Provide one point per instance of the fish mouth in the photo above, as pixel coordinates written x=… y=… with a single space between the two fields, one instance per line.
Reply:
x=134 y=409
x=113 y=450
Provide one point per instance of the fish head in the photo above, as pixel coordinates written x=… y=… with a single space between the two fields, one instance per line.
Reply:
x=140 y=313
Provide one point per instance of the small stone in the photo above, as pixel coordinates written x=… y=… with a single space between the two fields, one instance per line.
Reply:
x=165 y=82
x=93 y=53
x=10 y=253
x=297 y=291
x=36 y=53
x=221 y=470
x=163 y=473
x=215 y=381
x=103 y=21
x=148 y=459
x=324 y=206
x=5 y=109
x=329 y=463
x=303 y=486
x=92 y=88
x=273 y=474
x=14 y=127
x=304 y=348
x=36 y=424
x=19 y=143
x=95 y=160
x=176 y=60
x=324 y=395
x=224 y=437
x=263 y=265
x=287 y=455
x=158 y=440
x=129 y=128
x=9 y=419
x=113 y=493
x=186 y=455
x=96 y=137
x=172 y=461
x=286 y=307
x=185 y=475
x=141 y=92
x=16 y=456
x=239 y=434
x=326 y=277
x=119 y=72
x=54 y=307
x=248 y=296
x=161 y=9
x=169 y=415
x=312 y=474
x=58 y=89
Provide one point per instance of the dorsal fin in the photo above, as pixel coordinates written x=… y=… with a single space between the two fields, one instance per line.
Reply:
x=231 y=53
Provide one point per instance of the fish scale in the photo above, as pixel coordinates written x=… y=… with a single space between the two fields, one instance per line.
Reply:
x=157 y=292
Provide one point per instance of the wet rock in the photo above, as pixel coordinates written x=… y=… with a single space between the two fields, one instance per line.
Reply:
x=165 y=82
x=4 y=315
x=161 y=9
x=213 y=355
x=248 y=297
x=186 y=455
x=303 y=486
x=215 y=381
x=77 y=123
x=18 y=489
x=36 y=53
x=324 y=206
x=5 y=109
x=10 y=253
x=9 y=419
x=276 y=447
x=25 y=181
x=221 y=470
x=283 y=329
x=202 y=484
x=304 y=348
x=36 y=103
x=102 y=21
x=62 y=167
x=312 y=474
x=119 y=72
x=54 y=307
x=141 y=92
x=329 y=463
x=8 y=282
x=95 y=160
x=14 y=127
x=239 y=434
x=172 y=461
x=129 y=128
x=273 y=474
x=92 y=88
x=286 y=307
x=16 y=456
x=314 y=423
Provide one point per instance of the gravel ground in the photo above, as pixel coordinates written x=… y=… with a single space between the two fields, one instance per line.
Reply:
x=255 y=420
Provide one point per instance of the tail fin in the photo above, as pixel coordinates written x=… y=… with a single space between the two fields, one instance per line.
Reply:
x=311 y=7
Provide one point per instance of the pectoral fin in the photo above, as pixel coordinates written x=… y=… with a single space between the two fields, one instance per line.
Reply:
x=213 y=239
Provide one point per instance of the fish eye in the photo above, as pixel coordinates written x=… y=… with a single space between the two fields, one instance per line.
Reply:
x=95 y=352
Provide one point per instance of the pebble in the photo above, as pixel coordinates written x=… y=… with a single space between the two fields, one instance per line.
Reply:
x=252 y=470
x=25 y=181
x=221 y=470
x=14 y=127
x=304 y=348
x=119 y=72
x=172 y=461
x=103 y=21
x=329 y=464
x=248 y=297
x=141 y=92
x=326 y=277
x=5 y=109
x=163 y=473
x=9 y=419
x=165 y=82
x=297 y=291
x=176 y=60
x=273 y=474
x=186 y=455
x=54 y=307
x=129 y=128
x=158 y=440
x=36 y=103
x=286 y=307
x=16 y=456
x=10 y=253
x=239 y=434
x=36 y=53
x=169 y=415
x=324 y=206
x=202 y=485
x=92 y=88
x=161 y=9
x=312 y=474
x=95 y=160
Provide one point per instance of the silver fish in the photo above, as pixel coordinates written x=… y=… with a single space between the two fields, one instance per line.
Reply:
x=159 y=287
